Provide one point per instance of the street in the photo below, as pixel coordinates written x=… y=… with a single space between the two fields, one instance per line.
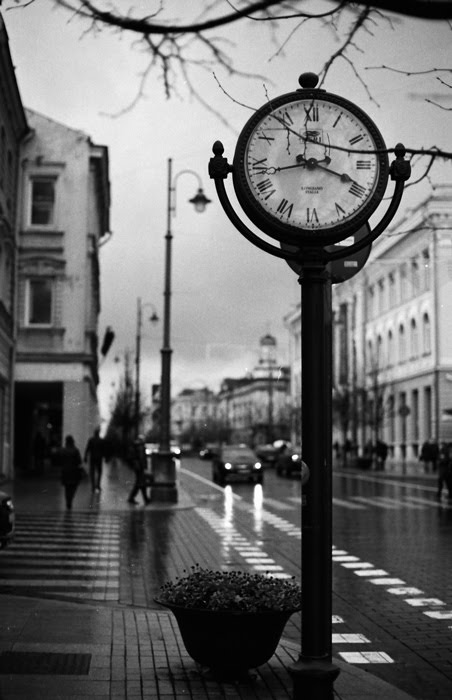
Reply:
x=392 y=591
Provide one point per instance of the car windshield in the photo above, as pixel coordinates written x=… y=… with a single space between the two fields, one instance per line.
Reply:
x=235 y=453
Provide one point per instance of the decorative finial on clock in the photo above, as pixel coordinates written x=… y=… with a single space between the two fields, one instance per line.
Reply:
x=308 y=81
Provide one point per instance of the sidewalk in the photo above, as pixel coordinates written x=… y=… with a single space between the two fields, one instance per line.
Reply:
x=57 y=650
x=51 y=650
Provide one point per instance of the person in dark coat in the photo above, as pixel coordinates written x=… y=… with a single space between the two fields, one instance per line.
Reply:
x=94 y=454
x=381 y=451
x=71 y=469
x=137 y=460
x=445 y=470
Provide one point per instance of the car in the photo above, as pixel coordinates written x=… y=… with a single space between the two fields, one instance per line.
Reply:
x=7 y=520
x=236 y=462
x=267 y=454
x=289 y=462
x=209 y=451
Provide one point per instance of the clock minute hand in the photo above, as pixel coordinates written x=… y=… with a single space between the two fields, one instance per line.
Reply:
x=312 y=163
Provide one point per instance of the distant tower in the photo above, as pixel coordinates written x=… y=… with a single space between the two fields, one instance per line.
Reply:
x=267 y=356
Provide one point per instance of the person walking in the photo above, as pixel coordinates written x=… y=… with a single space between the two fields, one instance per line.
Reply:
x=94 y=454
x=71 y=469
x=137 y=460
x=381 y=451
x=445 y=470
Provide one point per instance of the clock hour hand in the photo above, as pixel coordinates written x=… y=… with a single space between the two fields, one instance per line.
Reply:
x=313 y=163
x=301 y=163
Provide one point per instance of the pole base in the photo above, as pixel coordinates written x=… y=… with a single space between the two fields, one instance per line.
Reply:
x=164 y=486
x=164 y=494
x=313 y=679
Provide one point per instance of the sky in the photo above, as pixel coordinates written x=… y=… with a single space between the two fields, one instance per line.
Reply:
x=227 y=294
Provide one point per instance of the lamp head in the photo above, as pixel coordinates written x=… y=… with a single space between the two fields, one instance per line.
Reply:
x=200 y=201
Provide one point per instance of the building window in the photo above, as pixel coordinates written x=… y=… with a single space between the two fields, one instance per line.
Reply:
x=426 y=335
x=403 y=283
x=392 y=290
x=381 y=296
x=39 y=302
x=390 y=349
x=402 y=343
x=42 y=202
x=426 y=269
x=414 y=339
x=415 y=276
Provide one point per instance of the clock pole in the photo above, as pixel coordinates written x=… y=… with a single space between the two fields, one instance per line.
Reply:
x=314 y=255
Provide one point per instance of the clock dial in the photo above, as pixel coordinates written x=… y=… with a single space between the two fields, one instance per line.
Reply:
x=312 y=164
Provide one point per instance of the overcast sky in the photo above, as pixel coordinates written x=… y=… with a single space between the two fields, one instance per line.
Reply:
x=226 y=293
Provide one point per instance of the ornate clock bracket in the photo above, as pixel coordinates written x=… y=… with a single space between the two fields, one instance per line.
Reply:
x=219 y=169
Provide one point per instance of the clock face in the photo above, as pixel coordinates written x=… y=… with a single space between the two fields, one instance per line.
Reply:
x=308 y=164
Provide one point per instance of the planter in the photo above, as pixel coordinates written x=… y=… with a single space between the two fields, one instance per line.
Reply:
x=229 y=643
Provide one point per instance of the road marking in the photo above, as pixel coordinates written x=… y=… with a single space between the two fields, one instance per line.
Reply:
x=358 y=565
x=278 y=505
x=54 y=555
x=366 y=657
x=439 y=615
x=375 y=502
x=348 y=504
x=387 y=581
x=371 y=572
x=405 y=590
x=420 y=602
x=350 y=639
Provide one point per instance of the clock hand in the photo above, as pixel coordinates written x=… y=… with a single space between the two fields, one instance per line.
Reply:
x=301 y=162
x=313 y=163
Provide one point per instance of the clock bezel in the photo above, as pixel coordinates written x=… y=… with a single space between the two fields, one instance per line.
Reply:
x=278 y=229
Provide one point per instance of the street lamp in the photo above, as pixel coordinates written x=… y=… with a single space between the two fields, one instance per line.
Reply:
x=153 y=319
x=164 y=488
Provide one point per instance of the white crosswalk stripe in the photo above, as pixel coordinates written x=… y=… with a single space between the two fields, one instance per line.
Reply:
x=63 y=555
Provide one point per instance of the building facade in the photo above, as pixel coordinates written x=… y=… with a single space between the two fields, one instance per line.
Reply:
x=13 y=130
x=393 y=336
x=256 y=409
x=64 y=197
x=194 y=417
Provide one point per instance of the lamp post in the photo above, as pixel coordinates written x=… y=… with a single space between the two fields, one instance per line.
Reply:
x=153 y=319
x=164 y=487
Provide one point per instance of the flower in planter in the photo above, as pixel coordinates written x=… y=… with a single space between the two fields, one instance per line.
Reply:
x=205 y=589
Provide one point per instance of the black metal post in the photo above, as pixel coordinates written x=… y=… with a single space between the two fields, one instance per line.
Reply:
x=137 y=369
x=314 y=673
x=164 y=487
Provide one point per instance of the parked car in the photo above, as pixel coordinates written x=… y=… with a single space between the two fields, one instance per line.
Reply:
x=236 y=462
x=7 y=521
x=267 y=454
x=209 y=451
x=289 y=462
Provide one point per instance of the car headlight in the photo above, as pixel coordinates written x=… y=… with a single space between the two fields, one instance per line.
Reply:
x=295 y=458
x=257 y=465
x=228 y=465
x=8 y=503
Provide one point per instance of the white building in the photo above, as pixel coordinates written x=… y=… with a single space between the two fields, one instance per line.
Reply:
x=64 y=213
x=393 y=348
x=256 y=409
x=392 y=336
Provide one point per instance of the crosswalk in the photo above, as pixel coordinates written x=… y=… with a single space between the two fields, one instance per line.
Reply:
x=63 y=555
x=362 y=503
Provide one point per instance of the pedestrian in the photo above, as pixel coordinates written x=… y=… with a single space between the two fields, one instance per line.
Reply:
x=429 y=455
x=138 y=461
x=445 y=470
x=94 y=454
x=70 y=461
x=381 y=451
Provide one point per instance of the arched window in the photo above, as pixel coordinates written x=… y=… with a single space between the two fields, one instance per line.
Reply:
x=414 y=339
x=402 y=343
x=426 y=335
x=390 y=348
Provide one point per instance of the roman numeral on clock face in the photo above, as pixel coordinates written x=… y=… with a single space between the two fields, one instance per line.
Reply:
x=357 y=190
x=339 y=210
x=312 y=113
x=259 y=165
x=265 y=187
x=356 y=139
x=285 y=208
x=311 y=216
x=363 y=164
x=264 y=137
